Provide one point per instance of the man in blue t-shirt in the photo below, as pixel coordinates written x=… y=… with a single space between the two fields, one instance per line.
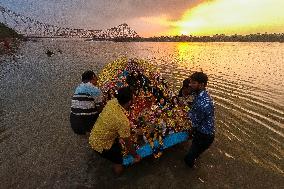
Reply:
x=87 y=103
x=202 y=118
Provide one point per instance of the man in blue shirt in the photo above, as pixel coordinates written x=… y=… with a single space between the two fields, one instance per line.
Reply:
x=202 y=118
x=86 y=104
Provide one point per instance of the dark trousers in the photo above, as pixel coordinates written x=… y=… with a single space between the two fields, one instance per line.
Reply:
x=200 y=143
x=114 y=154
x=82 y=123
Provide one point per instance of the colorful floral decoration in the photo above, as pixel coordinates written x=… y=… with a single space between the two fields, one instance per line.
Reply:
x=156 y=115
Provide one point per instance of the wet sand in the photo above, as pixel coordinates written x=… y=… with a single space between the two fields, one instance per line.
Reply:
x=56 y=158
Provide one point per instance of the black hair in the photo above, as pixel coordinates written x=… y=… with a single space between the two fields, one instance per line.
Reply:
x=124 y=95
x=200 y=77
x=162 y=97
x=185 y=86
x=172 y=101
x=174 y=97
x=88 y=76
x=186 y=82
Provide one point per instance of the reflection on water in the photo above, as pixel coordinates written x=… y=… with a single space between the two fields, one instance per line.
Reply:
x=246 y=81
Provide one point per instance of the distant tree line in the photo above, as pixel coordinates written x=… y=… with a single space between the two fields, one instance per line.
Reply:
x=266 y=37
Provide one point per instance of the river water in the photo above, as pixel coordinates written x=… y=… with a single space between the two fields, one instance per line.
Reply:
x=38 y=148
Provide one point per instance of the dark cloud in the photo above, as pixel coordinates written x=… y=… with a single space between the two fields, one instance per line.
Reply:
x=97 y=14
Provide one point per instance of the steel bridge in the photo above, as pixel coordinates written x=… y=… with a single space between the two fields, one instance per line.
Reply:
x=34 y=28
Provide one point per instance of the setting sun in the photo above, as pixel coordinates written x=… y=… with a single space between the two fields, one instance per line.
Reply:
x=216 y=17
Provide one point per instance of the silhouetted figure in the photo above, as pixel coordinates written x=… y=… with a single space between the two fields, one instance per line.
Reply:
x=185 y=89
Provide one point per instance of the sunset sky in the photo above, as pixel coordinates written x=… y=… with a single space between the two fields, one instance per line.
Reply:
x=159 y=17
